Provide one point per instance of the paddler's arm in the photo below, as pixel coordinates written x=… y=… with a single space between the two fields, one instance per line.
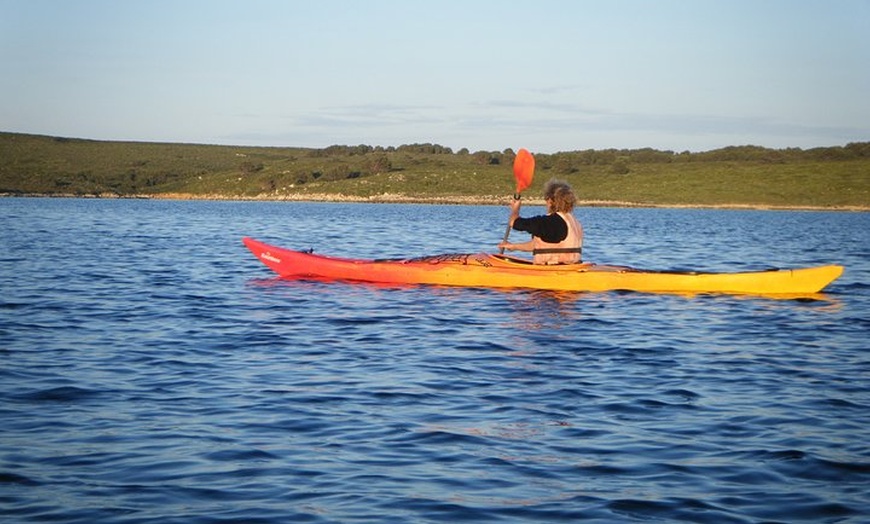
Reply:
x=515 y=211
x=515 y=214
x=525 y=246
x=550 y=228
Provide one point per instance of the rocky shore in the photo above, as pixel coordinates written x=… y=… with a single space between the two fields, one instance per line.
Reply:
x=395 y=198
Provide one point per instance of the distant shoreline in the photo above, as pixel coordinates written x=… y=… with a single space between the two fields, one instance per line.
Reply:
x=734 y=177
x=443 y=200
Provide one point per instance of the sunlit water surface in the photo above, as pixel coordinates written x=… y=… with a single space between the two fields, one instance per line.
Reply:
x=154 y=371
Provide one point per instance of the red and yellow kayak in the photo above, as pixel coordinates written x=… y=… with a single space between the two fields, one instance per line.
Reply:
x=500 y=271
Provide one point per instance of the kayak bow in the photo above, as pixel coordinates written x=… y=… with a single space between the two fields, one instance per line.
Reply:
x=500 y=271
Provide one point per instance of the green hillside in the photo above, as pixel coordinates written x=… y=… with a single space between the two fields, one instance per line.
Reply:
x=830 y=177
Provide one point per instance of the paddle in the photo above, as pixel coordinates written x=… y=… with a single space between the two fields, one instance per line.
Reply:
x=524 y=170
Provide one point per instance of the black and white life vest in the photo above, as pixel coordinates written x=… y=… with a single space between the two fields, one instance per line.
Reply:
x=567 y=251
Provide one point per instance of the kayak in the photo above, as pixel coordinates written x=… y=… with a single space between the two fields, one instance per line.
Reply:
x=503 y=271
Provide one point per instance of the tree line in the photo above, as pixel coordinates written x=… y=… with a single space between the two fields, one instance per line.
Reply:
x=745 y=153
x=377 y=159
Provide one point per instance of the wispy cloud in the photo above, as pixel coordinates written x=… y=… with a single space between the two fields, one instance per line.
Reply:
x=495 y=124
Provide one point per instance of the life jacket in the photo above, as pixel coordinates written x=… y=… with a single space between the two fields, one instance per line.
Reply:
x=565 y=252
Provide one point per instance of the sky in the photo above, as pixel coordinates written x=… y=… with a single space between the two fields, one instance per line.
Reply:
x=547 y=75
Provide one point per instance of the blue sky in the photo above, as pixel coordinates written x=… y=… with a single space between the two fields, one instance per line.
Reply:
x=547 y=75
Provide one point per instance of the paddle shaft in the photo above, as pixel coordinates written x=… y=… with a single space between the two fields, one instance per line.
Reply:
x=507 y=232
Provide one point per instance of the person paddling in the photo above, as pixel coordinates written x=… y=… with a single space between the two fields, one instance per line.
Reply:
x=557 y=237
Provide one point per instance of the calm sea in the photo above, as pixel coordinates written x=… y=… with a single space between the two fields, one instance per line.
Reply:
x=154 y=371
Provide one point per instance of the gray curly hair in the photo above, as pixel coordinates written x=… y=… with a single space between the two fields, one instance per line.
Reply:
x=560 y=195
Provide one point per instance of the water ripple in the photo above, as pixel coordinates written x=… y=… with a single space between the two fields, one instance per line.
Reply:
x=195 y=387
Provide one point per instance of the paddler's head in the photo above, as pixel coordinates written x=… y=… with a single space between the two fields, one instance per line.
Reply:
x=559 y=196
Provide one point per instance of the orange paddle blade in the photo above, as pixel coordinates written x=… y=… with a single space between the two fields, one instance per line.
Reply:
x=524 y=169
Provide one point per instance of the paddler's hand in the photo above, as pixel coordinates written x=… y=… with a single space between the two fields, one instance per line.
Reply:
x=506 y=245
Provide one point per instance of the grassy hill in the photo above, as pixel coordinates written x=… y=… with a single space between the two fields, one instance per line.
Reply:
x=832 y=177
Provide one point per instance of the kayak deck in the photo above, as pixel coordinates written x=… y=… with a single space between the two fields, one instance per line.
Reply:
x=500 y=271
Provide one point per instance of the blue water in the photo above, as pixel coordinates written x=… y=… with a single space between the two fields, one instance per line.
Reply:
x=154 y=371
